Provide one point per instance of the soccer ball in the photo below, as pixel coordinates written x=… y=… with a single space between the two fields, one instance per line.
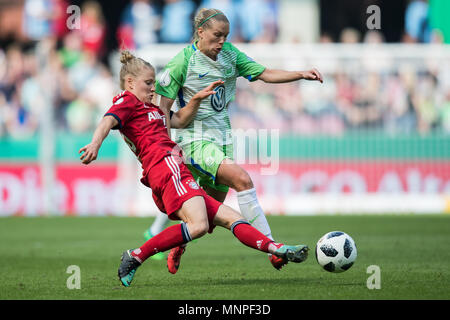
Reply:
x=336 y=251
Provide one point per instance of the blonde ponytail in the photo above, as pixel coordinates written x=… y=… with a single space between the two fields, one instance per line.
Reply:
x=131 y=65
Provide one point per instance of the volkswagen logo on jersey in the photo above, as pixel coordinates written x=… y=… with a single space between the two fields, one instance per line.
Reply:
x=218 y=99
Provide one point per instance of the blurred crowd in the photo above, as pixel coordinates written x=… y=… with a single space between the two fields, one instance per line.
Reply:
x=406 y=101
x=141 y=22
x=70 y=79
x=50 y=64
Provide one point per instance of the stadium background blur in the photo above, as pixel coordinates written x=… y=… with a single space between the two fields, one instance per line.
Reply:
x=374 y=138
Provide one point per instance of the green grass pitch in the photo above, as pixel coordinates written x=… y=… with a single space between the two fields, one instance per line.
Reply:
x=412 y=252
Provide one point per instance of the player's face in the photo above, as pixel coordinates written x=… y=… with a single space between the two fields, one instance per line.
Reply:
x=212 y=39
x=144 y=88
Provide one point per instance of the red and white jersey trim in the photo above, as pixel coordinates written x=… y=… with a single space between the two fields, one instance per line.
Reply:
x=176 y=176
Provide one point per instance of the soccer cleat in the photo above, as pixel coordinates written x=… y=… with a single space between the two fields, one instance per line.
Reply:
x=127 y=268
x=173 y=260
x=158 y=256
x=277 y=262
x=296 y=254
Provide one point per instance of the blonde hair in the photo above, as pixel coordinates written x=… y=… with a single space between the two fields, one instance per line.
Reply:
x=131 y=65
x=204 y=18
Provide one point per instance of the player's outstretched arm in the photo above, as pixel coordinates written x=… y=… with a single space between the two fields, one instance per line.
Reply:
x=165 y=105
x=90 y=151
x=184 y=116
x=282 y=76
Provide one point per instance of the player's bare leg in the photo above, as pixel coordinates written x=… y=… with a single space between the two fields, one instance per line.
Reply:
x=191 y=214
x=232 y=175
x=174 y=257
x=195 y=224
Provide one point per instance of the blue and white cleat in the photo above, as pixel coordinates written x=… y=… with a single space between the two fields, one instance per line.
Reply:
x=127 y=268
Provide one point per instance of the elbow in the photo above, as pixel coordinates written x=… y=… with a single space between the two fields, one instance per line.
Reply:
x=180 y=119
x=178 y=123
x=261 y=77
x=181 y=125
x=265 y=76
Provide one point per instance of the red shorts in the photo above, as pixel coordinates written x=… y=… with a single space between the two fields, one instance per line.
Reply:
x=172 y=184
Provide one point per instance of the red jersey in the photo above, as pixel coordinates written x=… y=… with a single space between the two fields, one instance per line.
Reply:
x=143 y=127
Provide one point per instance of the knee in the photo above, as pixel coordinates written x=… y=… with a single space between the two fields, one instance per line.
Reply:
x=243 y=182
x=227 y=216
x=198 y=229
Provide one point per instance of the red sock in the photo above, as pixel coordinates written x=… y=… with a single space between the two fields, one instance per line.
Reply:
x=250 y=236
x=169 y=238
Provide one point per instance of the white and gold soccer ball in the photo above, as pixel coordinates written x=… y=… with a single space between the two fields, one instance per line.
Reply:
x=336 y=251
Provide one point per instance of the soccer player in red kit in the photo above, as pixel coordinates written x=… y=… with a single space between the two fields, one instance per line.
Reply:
x=174 y=190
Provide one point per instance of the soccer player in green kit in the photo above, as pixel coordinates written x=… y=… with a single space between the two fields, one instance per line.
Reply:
x=207 y=140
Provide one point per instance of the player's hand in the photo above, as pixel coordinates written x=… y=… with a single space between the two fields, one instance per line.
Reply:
x=313 y=75
x=209 y=90
x=90 y=153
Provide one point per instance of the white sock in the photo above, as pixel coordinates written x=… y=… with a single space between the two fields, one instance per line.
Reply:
x=251 y=210
x=159 y=224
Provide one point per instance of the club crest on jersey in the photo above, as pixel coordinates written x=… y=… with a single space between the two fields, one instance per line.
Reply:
x=193 y=185
x=218 y=99
x=229 y=72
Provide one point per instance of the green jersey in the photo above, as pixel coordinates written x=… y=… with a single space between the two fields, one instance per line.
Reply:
x=191 y=71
